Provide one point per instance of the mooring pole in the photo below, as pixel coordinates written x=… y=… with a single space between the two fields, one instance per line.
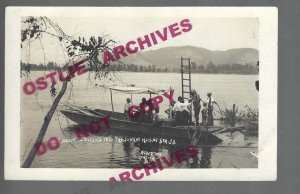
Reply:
x=181 y=64
x=233 y=113
x=111 y=101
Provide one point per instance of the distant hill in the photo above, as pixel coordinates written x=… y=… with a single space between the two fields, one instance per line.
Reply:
x=170 y=56
x=233 y=61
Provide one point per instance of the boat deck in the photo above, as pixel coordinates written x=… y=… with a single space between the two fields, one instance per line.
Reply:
x=85 y=116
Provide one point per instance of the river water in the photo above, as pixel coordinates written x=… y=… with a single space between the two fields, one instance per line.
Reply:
x=112 y=153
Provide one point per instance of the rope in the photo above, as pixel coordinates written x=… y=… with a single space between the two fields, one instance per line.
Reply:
x=60 y=125
x=196 y=138
x=200 y=135
x=189 y=134
x=68 y=123
x=62 y=129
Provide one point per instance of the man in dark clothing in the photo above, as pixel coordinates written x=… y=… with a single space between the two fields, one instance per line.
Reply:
x=150 y=114
x=204 y=114
x=156 y=120
x=210 y=108
x=195 y=97
x=146 y=114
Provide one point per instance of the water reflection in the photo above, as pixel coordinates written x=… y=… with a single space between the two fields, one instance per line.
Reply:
x=205 y=157
x=127 y=152
x=137 y=151
x=136 y=154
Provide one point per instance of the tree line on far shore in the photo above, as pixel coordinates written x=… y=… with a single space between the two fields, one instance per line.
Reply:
x=209 y=68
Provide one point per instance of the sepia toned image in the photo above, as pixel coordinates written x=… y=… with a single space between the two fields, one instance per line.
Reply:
x=144 y=97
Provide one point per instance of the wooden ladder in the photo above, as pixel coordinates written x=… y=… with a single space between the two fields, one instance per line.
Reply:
x=186 y=80
x=186 y=83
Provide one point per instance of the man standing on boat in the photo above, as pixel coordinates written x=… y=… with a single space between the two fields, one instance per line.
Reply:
x=146 y=108
x=156 y=119
x=170 y=111
x=181 y=110
x=204 y=114
x=126 y=108
x=195 y=97
x=210 y=108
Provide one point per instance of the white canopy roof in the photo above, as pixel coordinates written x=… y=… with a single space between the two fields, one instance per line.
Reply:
x=134 y=90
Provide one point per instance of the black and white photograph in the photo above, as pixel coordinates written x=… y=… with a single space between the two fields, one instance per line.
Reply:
x=141 y=93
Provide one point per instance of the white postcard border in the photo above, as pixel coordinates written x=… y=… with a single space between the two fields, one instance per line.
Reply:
x=268 y=48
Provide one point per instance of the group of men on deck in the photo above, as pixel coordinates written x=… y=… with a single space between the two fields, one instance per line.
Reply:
x=178 y=111
x=181 y=109
x=139 y=113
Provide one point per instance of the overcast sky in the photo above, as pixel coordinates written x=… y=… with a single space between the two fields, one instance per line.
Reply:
x=209 y=33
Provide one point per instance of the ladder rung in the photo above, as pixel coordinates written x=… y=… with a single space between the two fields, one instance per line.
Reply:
x=186 y=92
x=186 y=85
x=185 y=79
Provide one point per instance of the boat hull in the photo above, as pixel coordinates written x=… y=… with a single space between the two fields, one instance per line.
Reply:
x=117 y=123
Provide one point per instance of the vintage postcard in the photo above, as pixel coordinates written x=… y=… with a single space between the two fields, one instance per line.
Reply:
x=139 y=94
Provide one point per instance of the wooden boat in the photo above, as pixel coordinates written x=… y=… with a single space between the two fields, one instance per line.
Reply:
x=83 y=115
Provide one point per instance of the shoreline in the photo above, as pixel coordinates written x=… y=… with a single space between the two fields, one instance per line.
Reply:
x=165 y=72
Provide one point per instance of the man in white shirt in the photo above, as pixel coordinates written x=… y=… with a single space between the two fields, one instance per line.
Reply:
x=182 y=106
x=126 y=107
x=181 y=110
